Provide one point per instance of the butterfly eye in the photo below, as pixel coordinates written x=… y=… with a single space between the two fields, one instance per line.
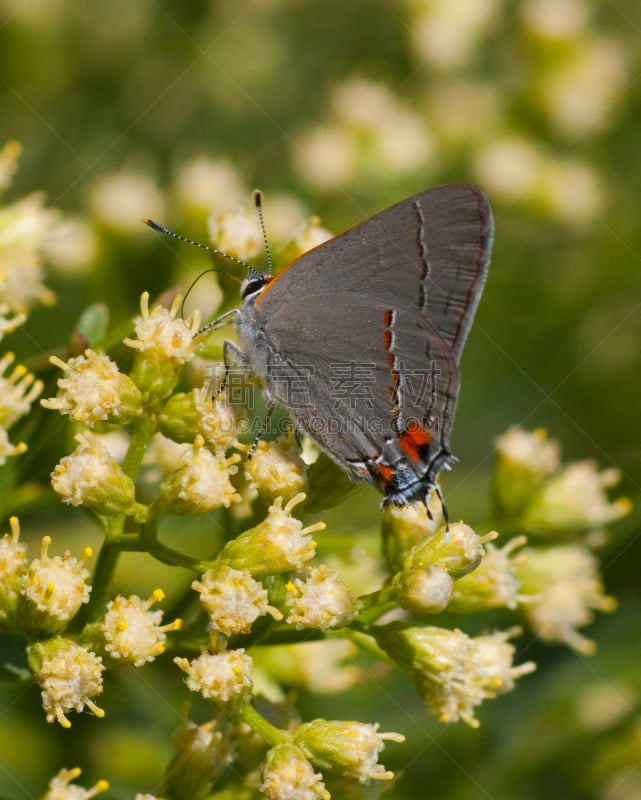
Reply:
x=251 y=285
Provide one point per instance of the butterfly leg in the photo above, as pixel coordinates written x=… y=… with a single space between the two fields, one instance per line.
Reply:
x=259 y=435
x=220 y=322
x=446 y=516
x=231 y=354
x=298 y=435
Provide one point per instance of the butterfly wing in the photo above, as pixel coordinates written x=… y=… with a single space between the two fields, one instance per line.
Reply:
x=369 y=327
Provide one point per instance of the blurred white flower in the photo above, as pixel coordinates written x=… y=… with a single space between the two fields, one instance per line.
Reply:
x=205 y=184
x=326 y=156
x=72 y=247
x=580 y=93
x=464 y=113
x=555 y=19
x=446 y=32
x=572 y=192
x=121 y=200
x=237 y=233
x=509 y=167
x=284 y=216
x=371 y=132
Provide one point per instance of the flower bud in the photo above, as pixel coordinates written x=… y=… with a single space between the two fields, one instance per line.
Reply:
x=278 y=544
x=348 y=748
x=274 y=469
x=225 y=677
x=13 y=566
x=493 y=584
x=523 y=461
x=201 y=756
x=458 y=549
x=164 y=344
x=7 y=450
x=403 y=527
x=237 y=233
x=452 y=671
x=60 y=787
x=308 y=235
x=54 y=590
x=92 y=478
x=574 y=499
x=564 y=589
x=423 y=590
x=318 y=599
x=130 y=631
x=326 y=666
x=25 y=225
x=287 y=773
x=187 y=415
x=93 y=389
x=17 y=391
x=69 y=676
x=233 y=599
x=201 y=484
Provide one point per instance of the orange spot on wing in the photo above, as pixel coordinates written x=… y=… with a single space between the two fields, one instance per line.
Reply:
x=386 y=472
x=414 y=440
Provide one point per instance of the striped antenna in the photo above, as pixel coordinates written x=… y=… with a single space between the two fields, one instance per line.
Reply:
x=258 y=202
x=155 y=226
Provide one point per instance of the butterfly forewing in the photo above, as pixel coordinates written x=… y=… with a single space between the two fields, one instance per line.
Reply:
x=371 y=325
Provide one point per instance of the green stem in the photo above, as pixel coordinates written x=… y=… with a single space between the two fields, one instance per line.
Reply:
x=114 y=543
x=141 y=434
x=376 y=604
x=147 y=541
x=270 y=733
x=370 y=615
x=173 y=557
x=364 y=641
x=105 y=567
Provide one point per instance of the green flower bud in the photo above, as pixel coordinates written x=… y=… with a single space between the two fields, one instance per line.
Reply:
x=493 y=584
x=287 y=773
x=574 y=499
x=452 y=671
x=164 y=344
x=402 y=528
x=92 y=389
x=348 y=748
x=201 y=755
x=278 y=544
x=458 y=549
x=13 y=566
x=523 y=461
x=201 y=484
x=187 y=415
x=91 y=477
x=68 y=675
x=423 y=590
x=564 y=588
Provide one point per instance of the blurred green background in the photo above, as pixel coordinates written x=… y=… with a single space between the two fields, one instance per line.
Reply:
x=129 y=108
